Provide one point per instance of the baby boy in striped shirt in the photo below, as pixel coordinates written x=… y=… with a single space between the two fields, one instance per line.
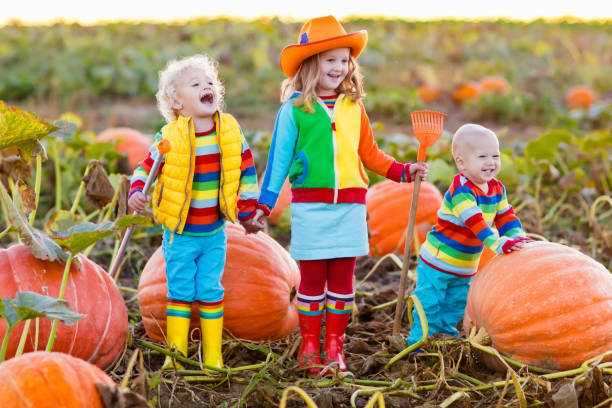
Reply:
x=449 y=257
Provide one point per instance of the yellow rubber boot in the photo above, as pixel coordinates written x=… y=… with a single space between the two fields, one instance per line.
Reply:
x=177 y=332
x=212 y=338
x=211 y=320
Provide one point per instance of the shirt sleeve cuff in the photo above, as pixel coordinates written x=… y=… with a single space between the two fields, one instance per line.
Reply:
x=268 y=199
x=264 y=208
x=245 y=216
x=133 y=191
x=406 y=174
x=395 y=172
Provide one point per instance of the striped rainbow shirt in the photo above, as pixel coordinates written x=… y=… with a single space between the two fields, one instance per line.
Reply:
x=464 y=224
x=204 y=217
x=329 y=101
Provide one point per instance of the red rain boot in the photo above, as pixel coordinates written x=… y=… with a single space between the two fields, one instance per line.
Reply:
x=310 y=349
x=335 y=327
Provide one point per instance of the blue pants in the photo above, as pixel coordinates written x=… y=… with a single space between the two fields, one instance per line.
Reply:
x=443 y=297
x=194 y=266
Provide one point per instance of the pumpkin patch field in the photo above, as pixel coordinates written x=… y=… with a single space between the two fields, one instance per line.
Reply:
x=78 y=112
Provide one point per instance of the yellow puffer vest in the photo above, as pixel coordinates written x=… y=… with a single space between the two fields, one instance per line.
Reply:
x=172 y=194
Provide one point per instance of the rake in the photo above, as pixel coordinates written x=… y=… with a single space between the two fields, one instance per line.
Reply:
x=427 y=127
x=162 y=147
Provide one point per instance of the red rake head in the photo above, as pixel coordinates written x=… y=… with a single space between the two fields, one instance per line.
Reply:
x=427 y=127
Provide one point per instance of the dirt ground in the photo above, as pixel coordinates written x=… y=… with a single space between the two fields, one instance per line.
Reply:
x=447 y=375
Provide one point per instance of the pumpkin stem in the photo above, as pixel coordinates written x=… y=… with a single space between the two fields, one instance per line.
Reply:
x=36 y=188
x=58 y=176
x=482 y=337
x=77 y=199
x=5 y=342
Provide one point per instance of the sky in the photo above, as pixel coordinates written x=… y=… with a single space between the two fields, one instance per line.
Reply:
x=86 y=12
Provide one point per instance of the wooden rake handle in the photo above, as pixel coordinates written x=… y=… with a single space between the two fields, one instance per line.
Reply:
x=399 y=308
x=427 y=127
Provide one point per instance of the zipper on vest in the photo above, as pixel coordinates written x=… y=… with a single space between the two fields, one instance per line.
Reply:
x=331 y=115
x=180 y=220
x=222 y=175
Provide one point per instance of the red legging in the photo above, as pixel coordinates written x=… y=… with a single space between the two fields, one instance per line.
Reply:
x=337 y=272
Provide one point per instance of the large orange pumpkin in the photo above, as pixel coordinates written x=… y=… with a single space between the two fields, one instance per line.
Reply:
x=260 y=281
x=546 y=305
x=466 y=91
x=50 y=380
x=131 y=142
x=99 y=337
x=428 y=93
x=388 y=206
x=579 y=97
x=494 y=84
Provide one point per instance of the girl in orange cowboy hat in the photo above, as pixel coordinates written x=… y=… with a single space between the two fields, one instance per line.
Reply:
x=323 y=140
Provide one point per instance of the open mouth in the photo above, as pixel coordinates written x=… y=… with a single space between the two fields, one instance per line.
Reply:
x=208 y=98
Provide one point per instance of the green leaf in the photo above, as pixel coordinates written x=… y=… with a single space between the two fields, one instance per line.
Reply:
x=439 y=170
x=64 y=130
x=129 y=220
x=509 y=169
x=22 y=129
x=594 y=142
x=79 y=237
x=41 y=246
x=546 y=145
x=30 y=305
x=61 y=221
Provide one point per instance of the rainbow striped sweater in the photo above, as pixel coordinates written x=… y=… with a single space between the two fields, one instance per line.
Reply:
x=464 y=225
x=204 y=217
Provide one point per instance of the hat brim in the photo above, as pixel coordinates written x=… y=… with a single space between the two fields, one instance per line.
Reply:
x=292 y=56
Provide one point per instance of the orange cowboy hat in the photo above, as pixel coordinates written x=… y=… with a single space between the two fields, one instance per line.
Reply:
x=318 y=35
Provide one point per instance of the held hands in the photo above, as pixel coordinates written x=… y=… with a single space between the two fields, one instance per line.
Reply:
x=255 y=224
x=138 y=202
x=420 y=169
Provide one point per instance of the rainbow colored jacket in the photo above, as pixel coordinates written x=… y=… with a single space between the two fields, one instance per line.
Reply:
x=324 y=154
x=464 y=224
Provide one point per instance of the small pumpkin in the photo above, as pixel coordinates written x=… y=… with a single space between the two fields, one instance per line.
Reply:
x=579 y=97
x=388 y=207
x=42 y=379
x=260 y=281
x=494 y=84
x=546 y=305
x=466 y=91
x=131 y=142
x=428 y=93
x=99 y=337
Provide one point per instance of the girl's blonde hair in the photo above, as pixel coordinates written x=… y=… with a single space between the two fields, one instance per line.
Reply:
x=307 y=79
x=166 y=94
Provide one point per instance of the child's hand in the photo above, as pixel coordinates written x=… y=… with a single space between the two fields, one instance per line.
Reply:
x=516 y=244
x=138 y=202
x=256 y=223
x=420 y=169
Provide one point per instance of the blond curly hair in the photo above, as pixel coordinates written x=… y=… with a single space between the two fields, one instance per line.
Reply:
x=167 y=82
